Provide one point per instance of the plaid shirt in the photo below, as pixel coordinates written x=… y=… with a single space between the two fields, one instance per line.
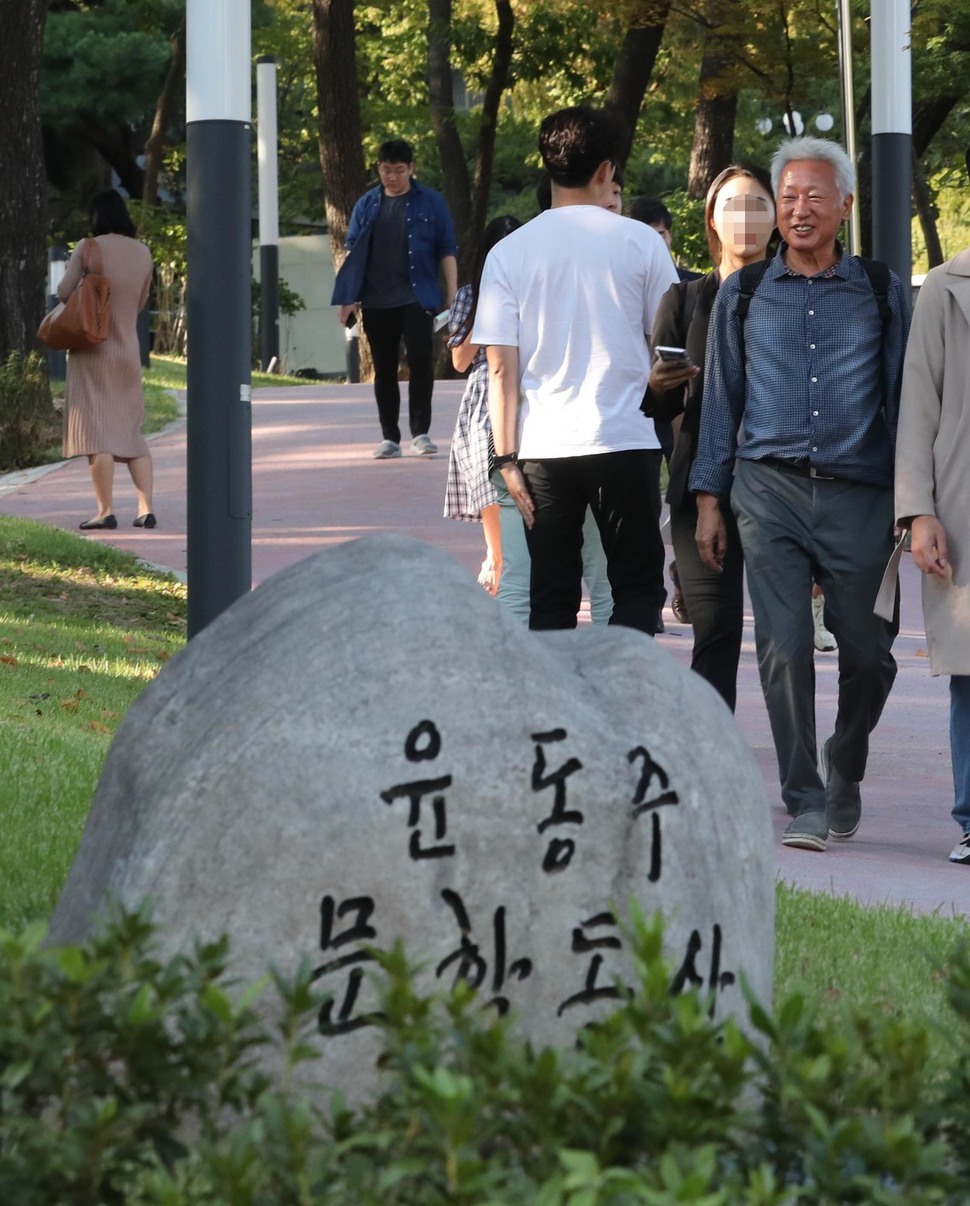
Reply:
x=468 y=488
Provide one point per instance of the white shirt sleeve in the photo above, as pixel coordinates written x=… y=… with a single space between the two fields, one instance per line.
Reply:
x=497 y=316
x=661 y=275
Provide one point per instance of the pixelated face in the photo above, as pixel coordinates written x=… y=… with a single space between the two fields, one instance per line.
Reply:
x=395 y=177
x=743 y=217
x=810 y=207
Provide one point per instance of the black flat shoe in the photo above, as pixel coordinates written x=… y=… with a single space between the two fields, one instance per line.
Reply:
x=89 y=525
x=147 y=520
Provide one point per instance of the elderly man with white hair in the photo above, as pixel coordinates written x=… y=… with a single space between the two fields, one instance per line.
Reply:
x=804 y=360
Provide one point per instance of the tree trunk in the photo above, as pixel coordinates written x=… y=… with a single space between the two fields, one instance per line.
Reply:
x=457 y=188
x=338 y=105
x=485 y=153
x=927 y=217
x=117 y=147
x=338 y=108
x=717 y=103
x=157 y=141
x=634 y=66
x=23 y=184
x=928 y=117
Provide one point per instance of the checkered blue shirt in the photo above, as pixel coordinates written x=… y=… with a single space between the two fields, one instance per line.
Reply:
x=817 y=380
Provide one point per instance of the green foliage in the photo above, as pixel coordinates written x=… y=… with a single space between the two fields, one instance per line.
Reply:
x=102 y=66
x=111 y=1060
x=166 y=234
x=29 y=425
x=690 y=240
x=129 y=1078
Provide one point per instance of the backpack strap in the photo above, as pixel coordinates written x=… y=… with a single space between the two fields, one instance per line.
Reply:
x=749 y=278
x=879 y=280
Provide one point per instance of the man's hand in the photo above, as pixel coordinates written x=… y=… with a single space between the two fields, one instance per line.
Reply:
x=711 y=533
x=516 y=486
x=929 y=545
x=345 y=312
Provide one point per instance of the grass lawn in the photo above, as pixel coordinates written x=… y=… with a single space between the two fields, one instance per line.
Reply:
x=83 y=628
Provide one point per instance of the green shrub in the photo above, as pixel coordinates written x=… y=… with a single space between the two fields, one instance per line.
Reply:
x=29 y=425
x=126 y=1079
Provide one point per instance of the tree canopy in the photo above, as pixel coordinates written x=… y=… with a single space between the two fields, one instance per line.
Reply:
x=467 y=81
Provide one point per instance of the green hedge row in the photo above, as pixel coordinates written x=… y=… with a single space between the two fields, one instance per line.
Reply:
x=126 y=1079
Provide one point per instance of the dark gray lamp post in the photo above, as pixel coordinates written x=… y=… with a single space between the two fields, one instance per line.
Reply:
x=218 y=306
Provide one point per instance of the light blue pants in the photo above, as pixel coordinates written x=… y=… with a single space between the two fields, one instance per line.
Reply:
x=513 y=587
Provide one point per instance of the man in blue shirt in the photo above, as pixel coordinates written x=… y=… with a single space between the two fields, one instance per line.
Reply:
x=810 y=376
x=400 y=236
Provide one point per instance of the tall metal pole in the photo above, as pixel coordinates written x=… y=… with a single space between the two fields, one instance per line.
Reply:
x=848 y=114
x=892 y=127
x=269 y=215
x=218 y=306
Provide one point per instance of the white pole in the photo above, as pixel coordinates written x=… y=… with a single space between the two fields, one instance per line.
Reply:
x=269 y=212
x=892 y=127
x=848 y=114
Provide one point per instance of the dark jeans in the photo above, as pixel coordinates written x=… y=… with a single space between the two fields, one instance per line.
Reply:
x=384 y=330
x=840 y=534
x=616 y=487
x=715 y=602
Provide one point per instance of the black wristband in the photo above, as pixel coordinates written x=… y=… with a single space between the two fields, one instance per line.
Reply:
x=500 y=462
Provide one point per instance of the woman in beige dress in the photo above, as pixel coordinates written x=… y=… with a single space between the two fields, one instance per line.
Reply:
x=103 y=406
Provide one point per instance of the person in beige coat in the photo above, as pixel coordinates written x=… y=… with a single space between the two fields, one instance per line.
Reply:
x=933 y=495
x=103 y=403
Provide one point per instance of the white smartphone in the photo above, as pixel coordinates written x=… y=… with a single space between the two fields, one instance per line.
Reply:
x=671 y=355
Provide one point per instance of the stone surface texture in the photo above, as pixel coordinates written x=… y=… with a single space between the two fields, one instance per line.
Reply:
x=368 y=748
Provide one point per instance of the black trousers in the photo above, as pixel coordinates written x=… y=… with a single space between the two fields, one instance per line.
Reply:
x=384 y=330
x=715 y=601
x=616 y=486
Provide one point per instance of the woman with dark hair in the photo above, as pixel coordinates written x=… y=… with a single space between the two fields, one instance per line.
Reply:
x=469 y=494
x=739 y=218
x=103 y=405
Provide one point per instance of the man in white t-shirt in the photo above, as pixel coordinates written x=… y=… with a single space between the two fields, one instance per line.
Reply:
x=565 y=308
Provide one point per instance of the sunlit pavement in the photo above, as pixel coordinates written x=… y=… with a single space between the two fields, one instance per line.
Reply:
x=315 y=484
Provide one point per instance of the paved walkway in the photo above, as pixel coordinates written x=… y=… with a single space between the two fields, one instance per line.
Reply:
x=315 y=484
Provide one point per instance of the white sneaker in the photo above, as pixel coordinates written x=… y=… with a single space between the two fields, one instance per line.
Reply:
x=423 y=445
x=961 y=851
x=825 y=642
x=385 y=450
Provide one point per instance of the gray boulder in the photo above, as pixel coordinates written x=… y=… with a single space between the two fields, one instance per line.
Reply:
x=369 y=748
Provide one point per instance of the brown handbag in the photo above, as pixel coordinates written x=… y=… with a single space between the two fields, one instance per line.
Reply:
x=83 y=320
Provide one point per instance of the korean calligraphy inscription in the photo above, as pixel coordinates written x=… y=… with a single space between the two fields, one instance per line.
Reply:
x=488 y=967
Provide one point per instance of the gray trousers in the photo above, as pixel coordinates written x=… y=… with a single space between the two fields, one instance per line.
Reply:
x=795 y=529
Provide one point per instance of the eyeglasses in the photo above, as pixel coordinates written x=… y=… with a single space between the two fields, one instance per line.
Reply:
x=396 y=170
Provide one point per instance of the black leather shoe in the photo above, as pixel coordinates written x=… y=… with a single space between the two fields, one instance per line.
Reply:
x=89 y=525
x=147 y=520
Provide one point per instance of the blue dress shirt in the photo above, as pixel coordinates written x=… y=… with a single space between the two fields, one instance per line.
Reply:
x=816 y=381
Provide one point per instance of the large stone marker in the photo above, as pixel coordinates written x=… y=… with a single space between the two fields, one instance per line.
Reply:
x=369 y=748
